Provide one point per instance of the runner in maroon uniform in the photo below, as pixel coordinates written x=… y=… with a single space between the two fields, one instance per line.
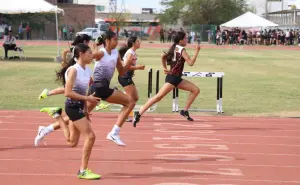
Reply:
x=175 y=57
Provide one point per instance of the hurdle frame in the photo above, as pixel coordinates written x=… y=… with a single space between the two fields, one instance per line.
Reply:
x=219 y=103
x=117 y=107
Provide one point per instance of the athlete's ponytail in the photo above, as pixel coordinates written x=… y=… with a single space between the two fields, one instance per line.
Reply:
x=169 y=56
x=79 y=48
x=99 y=41
x=77 y=40
x=130 y=42
x=80 y=39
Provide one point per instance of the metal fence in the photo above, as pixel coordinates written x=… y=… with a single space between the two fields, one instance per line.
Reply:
x=204 y=32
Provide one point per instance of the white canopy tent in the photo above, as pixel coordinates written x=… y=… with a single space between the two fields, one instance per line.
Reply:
x=248 y=20
x=32 y=6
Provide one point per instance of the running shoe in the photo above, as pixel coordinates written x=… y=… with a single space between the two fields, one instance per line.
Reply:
x=186 y=115
x=128 y=119
x=115 y=138
x=40 y=135
x=102 y=106
x=136 y=119
x=44 y=94
x=52 y=111
x=88 y=175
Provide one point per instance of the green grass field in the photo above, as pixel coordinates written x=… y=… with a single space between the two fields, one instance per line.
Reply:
x=256 y=83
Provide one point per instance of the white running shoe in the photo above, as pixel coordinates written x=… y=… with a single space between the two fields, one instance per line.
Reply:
x=40 y=136
x=115 y=138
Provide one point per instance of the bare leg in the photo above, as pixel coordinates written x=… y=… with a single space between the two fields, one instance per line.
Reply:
x=194 y=91
x=59 y=90
x=74 y=135
x=132 y=92
x=64 y=126
x=84 y=127
x=167 y=87
x=128 y=104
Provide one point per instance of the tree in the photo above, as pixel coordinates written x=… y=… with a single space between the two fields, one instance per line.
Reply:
x=202 y=11
x=37 y=21
x=119 y=19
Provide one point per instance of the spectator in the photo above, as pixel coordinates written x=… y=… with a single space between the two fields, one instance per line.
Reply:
x=126 y=33
x=162 y=35
x=71 y=32
x=20 y=31
x=9 y=43
x=6 y=30
x=28 y=30
x=65 y=33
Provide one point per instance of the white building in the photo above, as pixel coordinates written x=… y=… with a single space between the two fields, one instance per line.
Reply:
x=101 y=5
x=260 y=5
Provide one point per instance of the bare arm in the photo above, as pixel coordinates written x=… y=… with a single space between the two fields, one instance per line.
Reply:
x=188 y=59
x=164 y=61
x=98 y=55
x=121 y=69
x=128 y=63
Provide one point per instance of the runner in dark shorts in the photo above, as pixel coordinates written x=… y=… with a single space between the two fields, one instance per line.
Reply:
x=175 y=57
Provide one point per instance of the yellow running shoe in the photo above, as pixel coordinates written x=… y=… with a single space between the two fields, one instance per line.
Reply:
x=52 y=111
x=88 y=174
x=102 y=106
x=44 y=94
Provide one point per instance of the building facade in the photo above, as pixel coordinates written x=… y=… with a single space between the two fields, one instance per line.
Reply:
x=77 y=16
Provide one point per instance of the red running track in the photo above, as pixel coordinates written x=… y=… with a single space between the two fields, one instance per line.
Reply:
x=162 y=150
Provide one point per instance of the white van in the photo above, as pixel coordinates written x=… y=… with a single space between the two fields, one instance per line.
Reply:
x=102 y=26
x=92 y=32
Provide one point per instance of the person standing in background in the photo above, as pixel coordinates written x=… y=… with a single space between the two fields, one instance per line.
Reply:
x=20 y=31
x=28 y=30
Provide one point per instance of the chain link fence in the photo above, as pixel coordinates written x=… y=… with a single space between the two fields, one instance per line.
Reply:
x=204 y=32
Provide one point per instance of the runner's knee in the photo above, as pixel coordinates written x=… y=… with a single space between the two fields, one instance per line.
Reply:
x=196 y=91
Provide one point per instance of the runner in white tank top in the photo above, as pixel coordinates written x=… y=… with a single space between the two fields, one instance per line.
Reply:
x=85 y=39
x=76 y=78
x=130 y=62
x=108 y=60
x=98 y=45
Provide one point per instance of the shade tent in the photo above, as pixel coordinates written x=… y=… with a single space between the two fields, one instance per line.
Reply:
x=248 y=20
x=31 y=6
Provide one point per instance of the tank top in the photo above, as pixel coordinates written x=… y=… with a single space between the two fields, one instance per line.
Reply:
x=130 y=73
x=104 y=69
x=81 y=83
x=177 y=67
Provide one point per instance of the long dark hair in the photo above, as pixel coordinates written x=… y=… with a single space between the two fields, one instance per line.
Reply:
x=79 y=48
x=108 y=35
x=80 y=39
x=170 y=54
x=131 y=40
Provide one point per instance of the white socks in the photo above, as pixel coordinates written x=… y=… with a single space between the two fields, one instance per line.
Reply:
x=48 y=129
x=115 y=130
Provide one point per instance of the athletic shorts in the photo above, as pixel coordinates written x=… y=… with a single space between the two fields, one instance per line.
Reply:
x=125 y=81
x=101 y=92
x=174 y=80
x=74 y=112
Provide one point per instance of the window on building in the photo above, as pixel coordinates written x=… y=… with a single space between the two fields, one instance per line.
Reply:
x=65 y=1
x=100 y=8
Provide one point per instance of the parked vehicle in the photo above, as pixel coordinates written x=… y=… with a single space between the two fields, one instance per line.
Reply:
x=92 y=32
